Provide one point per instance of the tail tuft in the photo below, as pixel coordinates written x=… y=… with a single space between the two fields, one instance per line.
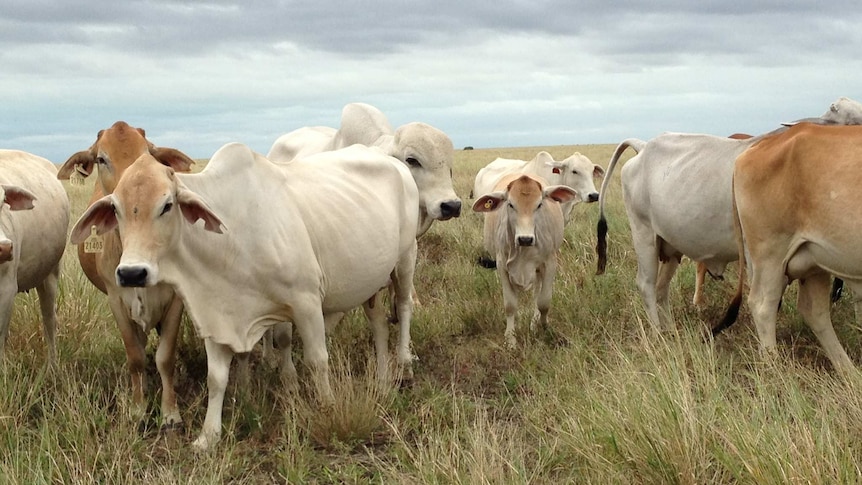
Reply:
x=729 y=317
x=486 y=262
x=602 y=245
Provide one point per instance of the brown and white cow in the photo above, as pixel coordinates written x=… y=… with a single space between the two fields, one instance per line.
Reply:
x=798 y=211
x=523 y=231
x=136 y=310
x=34 y=218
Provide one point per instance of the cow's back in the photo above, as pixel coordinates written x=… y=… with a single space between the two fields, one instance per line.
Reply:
x=41 y=231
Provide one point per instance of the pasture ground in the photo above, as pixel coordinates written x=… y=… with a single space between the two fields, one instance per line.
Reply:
x=598 y=397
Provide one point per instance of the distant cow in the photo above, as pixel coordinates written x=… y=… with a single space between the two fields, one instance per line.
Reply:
x=524 y=231
x=427 y=151
x=34 y=218
x=278 y=242
x=798 y=208
x=576 y=171
x=136 y=310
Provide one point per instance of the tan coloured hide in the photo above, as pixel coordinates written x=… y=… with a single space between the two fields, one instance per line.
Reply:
x=799 y=212
x=136 y=311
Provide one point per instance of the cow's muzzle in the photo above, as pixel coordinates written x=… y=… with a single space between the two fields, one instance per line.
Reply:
x=593 y=197
x=132 y=276
x=450 y=209
x=526 y=240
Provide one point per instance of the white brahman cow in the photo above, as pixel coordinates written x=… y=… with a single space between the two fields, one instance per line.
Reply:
x=34 y=218
x=137 y=311
x=524 y=230
x=577 y=171
x=279 y=242
x=797 y=207
x=426 y=150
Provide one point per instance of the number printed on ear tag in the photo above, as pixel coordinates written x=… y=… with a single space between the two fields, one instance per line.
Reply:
x=93 y=243
x=76 y=178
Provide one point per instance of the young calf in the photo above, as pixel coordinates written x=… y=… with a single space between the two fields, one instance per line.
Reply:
x=524 y=231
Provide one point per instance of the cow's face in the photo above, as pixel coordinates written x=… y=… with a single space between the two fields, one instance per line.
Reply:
x=523 y=202
x=148 y=207
x=114 y=151
x=12 y=198
x=579 y=172
x=429 y=153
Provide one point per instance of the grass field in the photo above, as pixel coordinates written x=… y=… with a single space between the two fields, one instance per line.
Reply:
x=597 y=398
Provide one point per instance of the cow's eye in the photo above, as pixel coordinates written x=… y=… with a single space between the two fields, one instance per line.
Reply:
x=101 y=161
x=167 y=208
x=511 y=206
x=575 y=172
x=539 y=206
x=413 y=162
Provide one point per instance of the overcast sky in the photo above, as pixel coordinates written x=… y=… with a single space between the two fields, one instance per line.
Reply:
x=198 y=74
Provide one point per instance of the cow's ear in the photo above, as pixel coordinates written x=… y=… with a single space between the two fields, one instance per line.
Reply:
x=19 y=199
x=562 y=194
x=194 y=208
x=598 y=171
x=172 y=157
x=100 y=214
x=82 y=162
x=489 y=202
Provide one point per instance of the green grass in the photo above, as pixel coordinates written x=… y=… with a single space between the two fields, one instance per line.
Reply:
x=597 y=398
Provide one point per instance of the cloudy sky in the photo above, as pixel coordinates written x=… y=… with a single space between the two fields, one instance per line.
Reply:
x=198 y=74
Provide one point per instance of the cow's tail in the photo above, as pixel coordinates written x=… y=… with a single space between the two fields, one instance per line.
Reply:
x=602 y=226
x=733 y=310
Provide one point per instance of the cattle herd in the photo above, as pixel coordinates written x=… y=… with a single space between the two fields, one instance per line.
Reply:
x=159 y=240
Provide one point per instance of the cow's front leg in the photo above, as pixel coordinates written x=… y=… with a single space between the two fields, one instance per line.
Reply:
x=218 y=370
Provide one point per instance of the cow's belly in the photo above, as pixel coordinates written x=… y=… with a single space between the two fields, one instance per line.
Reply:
x=354 y=281
x=810 y=258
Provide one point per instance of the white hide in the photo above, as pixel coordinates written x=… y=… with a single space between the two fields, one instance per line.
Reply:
x=677 y=193
x=37 y=235
x=315 y=236
x=577 y=171
x=424 y=149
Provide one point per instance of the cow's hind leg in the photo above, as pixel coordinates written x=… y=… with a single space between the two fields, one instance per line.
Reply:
x=767 y=287
x=648 y=262
x=814 y=306
x=700 y=279
x=47 y=291
x=666 y=271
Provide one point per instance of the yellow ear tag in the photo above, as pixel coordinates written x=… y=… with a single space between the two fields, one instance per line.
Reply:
x=93 y=243
x=489 y=204
x=76 y=178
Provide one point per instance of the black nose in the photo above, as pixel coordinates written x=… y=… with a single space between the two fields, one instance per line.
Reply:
x=594 y=197
x=450 y=209
x=132 y=276
x=525 y=240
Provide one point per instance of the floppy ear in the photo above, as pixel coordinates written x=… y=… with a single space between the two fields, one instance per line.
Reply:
x=100 y=214
x=194 y=208
x=19 y=199
x=489 y=202
x=562 y=193
x=82 y=161
x=172 y=157
x=598 y=171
